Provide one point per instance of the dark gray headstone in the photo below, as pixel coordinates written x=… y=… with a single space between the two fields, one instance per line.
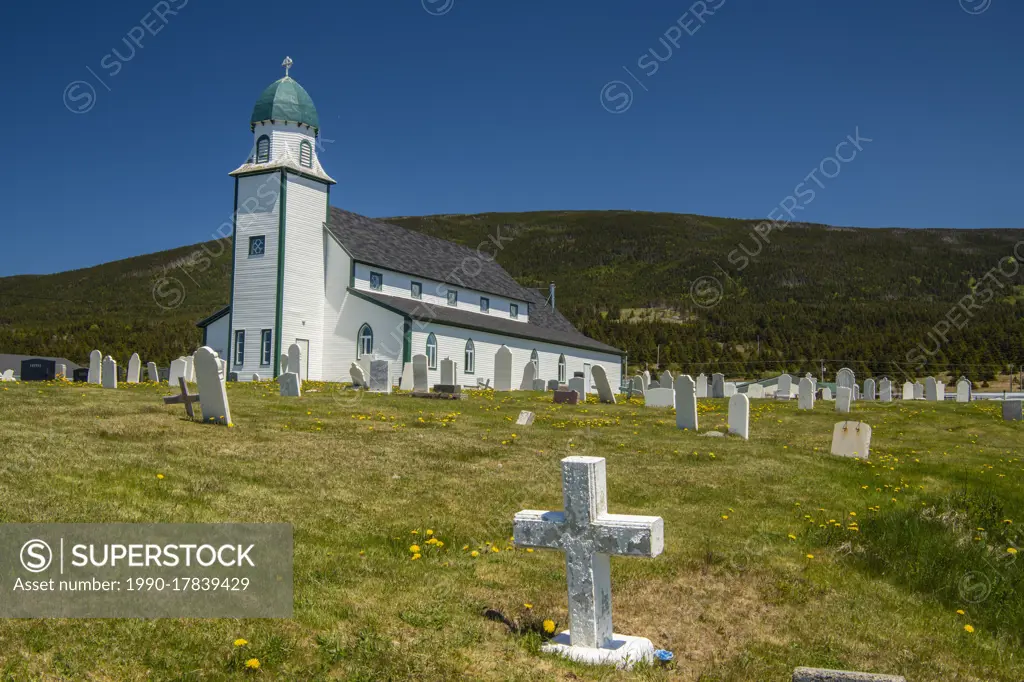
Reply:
x=552 y=385
x=380 y=379
x=822 y=675
x=233 y=376
x=1012 y=410
x=447 y=388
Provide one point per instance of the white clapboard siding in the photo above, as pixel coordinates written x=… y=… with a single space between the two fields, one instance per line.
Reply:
x=254 y=304
x=303 y=295
x=435 y=293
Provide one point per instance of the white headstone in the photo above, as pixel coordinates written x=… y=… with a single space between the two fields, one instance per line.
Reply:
x=806 y=394
x=702 y=386
x=940 y=391
x=420 y=374
x=755 y=391
x=637 y=386
x=845 y=377
x=869 y=389
x=686 y=403
x=588 y=535
x=503 y=369
x=109 y=372
x=450 y=373
x=826 y=393
x=717 y=385
x=931 y=389
x=295 y=363
x=918 y=391
x=525 y=418
x=844 y=395
x=255 y=377
x=529 y=374
x=604 y=389
x=8 y=375
x=785 y=385
x=576 y=384
x=176 y=372
x=283 y=361
x=213 y=398
x=963 y=391
x=851 y=439
x=730 y=389
x=739 y=416
x=587 y=378
x=355 y=371
x=95 y=367
x=885 y=390
x=406 y=383
x=134 y=369
x=660 y=397
x=908 y=391
x=190 y=370
x=152 y=372
x=291 y=386
x=646 y=376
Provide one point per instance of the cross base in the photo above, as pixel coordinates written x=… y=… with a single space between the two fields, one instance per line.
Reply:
x=622 y=651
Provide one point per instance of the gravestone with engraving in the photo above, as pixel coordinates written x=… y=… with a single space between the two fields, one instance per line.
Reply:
x=291 y=385
x=134 y=368
x=589 y=536
x=963 y=391
x=844 y=396
x=717 y=385
x=702 y=386
x=95 y=367
x=1012 y=410
x=525 y=418
x=213 y=398
x=604 y=389
x=380 y=376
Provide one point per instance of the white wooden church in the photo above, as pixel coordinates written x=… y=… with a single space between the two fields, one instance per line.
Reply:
x=346 y=288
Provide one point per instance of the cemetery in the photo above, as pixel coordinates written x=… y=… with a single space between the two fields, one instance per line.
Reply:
x=784 y=543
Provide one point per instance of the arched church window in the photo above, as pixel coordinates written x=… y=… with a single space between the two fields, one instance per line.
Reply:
x=263 y=149
x=306 y=154
x=561 y=369
x=432 y=351
x=470 y=357
x=364 y=344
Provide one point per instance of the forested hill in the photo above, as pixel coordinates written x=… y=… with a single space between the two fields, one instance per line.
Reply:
x=715 y=294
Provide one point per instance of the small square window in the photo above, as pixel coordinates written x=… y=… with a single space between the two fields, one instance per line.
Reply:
x=453 y=298
x=513 y=311
x=485 y=304
x=416 y=290
x=257 y=245
x=376 y=281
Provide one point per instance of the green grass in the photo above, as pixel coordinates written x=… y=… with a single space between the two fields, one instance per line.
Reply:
x=734 y=598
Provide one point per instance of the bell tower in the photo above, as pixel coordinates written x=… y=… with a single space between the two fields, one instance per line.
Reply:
x=282 y=200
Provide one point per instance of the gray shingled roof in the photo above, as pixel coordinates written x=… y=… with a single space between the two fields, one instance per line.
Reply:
x=534 y=329
x=396 y=248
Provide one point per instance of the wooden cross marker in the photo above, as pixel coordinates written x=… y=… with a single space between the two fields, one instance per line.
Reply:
x=588 y=535
x=184 y=398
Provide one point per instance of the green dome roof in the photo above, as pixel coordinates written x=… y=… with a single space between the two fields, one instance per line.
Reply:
x=285 y=100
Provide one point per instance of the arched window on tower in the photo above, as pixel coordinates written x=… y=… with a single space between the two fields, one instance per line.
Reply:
x=432 y=351
x=306 y=154
x=364 y=343
x=561 y=369
x=470 y=357
x=263 y=149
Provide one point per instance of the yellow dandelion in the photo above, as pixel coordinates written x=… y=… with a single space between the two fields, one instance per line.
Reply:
x=160 y=477
x=474 y=553
x=1011 y=550
x=414 y=548
x=430 y=532
x=960 y=611
x=528 y=606
x=968 y=628
x=416 y=556
x=792 y=537
x=529 y=550
x=549 y=626
x=253 y=664
x=810 y=556
x=465 y=547
x=240 y=642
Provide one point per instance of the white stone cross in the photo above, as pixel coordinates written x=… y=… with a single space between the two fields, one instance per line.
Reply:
x=589 y=535
x=287 y=64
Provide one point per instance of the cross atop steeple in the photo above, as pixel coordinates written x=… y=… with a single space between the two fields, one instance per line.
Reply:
x=287 y=64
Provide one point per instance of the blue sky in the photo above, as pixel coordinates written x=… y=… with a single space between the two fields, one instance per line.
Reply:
x=459 y=106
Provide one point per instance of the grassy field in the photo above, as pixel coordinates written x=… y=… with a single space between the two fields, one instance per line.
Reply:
x=777 y=554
